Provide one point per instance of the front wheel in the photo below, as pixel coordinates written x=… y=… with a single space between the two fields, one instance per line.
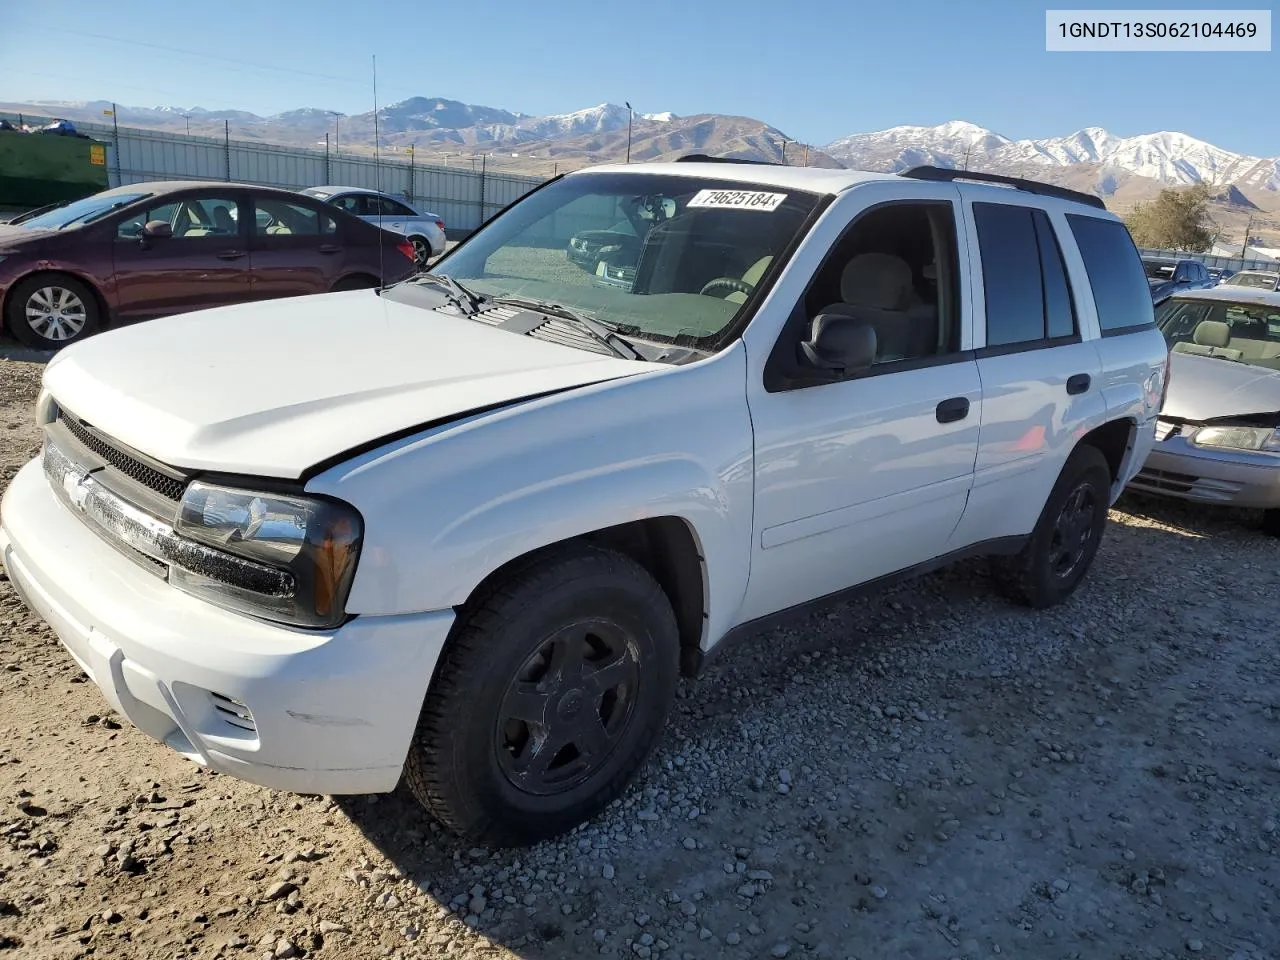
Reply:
x=551 y=692
x=1271 y=522
x=1067 y=536
x=49 y=311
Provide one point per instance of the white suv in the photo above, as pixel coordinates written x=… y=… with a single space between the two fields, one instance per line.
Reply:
x=469 y=529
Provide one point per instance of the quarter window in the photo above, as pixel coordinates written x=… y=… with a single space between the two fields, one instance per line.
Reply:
x=1121 y=293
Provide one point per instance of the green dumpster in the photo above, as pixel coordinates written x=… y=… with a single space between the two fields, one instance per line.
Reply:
x=38 y=169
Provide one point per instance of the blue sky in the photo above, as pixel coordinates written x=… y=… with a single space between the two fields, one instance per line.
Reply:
x=816 y=69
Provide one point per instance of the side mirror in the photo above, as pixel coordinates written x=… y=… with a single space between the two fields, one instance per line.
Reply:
x=157 y=230
x=839 y=344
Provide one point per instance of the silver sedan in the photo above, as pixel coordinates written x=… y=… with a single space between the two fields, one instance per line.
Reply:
x=424 y=230
x=1218 y=438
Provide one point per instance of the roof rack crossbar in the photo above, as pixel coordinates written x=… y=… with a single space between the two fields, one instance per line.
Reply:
x=705 y=158
x=948 y=174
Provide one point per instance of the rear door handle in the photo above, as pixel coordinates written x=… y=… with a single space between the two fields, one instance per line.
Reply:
x=949 y=411
x=231 y=255
x=1078 y=383
x=329 y=248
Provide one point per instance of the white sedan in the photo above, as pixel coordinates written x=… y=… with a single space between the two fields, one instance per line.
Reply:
x=424 y=230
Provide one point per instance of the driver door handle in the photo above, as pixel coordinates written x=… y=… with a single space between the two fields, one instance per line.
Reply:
x=949 y=411
x=231 y=255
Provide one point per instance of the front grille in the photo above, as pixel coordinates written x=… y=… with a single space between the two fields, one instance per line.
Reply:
x=1166 y=480
x=169 y=487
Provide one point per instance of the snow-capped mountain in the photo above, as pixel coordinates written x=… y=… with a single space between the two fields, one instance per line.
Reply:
x=1171 y=158
x=1092 y=158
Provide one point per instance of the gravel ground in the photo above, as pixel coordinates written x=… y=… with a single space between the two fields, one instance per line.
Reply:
x=929 y=773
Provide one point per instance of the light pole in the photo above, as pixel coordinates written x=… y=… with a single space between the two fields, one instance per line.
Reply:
x=336 y=116
x=630 y=114
x=785 y=141
x=187 y=117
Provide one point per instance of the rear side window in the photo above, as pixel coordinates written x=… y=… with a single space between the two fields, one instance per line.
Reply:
x=1028 y=299
x=1120 y=289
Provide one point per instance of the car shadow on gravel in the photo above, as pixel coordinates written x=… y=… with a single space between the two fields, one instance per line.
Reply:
x=1196 y=519
x=12 y=350
x=826 y=781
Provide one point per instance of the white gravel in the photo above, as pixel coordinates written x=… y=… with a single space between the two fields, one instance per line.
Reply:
x=929 y=773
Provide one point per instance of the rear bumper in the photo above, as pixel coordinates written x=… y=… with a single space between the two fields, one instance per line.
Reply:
x=1236 y=478
x=328 y=713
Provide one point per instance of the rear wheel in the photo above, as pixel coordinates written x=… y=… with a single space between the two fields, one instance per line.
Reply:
x=51 y=310
x=421 y=250
x=1067 y=536
x=551 y=693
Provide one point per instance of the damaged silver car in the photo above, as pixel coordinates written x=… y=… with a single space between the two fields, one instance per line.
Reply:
x=1218 y=437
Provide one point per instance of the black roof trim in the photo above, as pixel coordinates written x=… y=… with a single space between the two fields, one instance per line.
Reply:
x=705 y=158
x=947 y=175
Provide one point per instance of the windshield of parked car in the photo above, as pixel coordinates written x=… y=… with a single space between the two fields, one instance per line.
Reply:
x=1267 y=281
x=80 y=212
x=667 y=258
x=1238 y=332
x=1157 y=270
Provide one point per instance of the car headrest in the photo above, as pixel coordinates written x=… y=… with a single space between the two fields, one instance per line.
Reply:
x=877 y=280
x=1212 y=333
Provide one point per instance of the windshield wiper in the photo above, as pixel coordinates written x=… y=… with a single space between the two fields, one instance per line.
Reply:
x=468 y=301
x=603 y=332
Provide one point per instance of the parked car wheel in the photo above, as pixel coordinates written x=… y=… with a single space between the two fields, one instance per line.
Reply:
x=1271 y=522
x=421 y=250
x=1066 y=537
x=51 y=310
x=551 y=692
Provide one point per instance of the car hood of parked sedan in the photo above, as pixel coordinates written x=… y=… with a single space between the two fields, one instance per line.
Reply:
x=274 y=388
x=1210 y=388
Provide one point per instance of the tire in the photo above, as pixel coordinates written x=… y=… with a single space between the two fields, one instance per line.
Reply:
x=354 y=283
x=477 y=768
x=1271 y=522
x=50 y=310
x=1056 y=558
x=421 y=250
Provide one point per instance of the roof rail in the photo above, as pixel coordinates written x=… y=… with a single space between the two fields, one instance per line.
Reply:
x=704 y=158
x=948 y=174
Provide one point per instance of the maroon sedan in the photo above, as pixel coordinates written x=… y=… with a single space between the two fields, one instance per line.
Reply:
x=151 y=249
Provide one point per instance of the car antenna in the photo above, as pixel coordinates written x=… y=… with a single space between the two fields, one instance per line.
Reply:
x=377 y=178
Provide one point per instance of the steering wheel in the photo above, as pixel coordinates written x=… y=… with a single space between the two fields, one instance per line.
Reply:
x=729 y=284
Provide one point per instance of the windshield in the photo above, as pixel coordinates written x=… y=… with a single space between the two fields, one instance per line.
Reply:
x=80 y=212
x=1240 y=332
x=1267 y=281
x=1157 y=270
x=665 y=258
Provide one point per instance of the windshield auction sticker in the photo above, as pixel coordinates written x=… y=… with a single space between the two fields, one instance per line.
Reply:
x=737 y=199
x=1207 y=31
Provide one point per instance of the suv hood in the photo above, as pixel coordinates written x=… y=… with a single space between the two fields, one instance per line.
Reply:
x=1206 y=388
x=273 y=388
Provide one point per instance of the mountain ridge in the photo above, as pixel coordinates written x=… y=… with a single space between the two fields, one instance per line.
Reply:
x=1092 y=158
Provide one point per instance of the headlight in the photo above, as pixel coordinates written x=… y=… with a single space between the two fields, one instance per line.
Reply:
x=316 y=542
x=1238 y=438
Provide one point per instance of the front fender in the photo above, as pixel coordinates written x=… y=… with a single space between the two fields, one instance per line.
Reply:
x=446 y=508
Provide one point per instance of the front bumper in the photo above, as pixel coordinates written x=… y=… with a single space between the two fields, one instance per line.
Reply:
x=328 y=712
x=1236 y=478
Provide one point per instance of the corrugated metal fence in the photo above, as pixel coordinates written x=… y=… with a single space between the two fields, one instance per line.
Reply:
x=462 y=196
